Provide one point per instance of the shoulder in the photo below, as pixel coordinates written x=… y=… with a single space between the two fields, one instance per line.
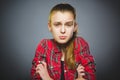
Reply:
x=81 y=45
x=80 y=40
x=44 y=43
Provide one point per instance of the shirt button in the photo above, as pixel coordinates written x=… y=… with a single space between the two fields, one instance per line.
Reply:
x=51 y=67
x=65 y=71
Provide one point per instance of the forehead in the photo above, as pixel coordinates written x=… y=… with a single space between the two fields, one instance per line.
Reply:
x=59 y=16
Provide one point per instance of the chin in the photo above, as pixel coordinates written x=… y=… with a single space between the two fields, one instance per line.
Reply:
x=62 y=42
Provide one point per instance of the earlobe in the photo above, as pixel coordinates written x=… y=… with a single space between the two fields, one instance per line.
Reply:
x=49 y=26
x=75 y=27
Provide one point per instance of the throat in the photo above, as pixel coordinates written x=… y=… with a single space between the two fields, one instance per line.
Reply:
x=63 y=56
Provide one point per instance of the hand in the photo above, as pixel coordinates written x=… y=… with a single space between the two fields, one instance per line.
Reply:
x=81 y=72
x=41 y=69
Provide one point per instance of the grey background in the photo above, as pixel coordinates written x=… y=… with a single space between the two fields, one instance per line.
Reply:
x=24 y=23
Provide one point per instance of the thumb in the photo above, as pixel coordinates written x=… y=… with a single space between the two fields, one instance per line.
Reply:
x=44 y=64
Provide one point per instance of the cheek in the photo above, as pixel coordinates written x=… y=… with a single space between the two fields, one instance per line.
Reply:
x=55 y=31
x=70 y=31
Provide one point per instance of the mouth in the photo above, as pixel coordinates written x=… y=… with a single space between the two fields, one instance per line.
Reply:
x=62 y=37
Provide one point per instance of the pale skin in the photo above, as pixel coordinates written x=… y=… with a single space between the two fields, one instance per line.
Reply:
x=62 y=27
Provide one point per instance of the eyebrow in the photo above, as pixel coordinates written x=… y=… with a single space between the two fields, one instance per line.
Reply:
x=69 y=22
x=65 y=22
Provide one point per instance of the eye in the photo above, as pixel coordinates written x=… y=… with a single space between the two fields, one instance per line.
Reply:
x=69 y=24
x=57 y=24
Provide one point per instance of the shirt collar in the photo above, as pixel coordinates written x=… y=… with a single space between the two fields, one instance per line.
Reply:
x=53 y=45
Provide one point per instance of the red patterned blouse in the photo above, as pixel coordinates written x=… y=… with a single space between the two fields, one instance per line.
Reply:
x=48 y=51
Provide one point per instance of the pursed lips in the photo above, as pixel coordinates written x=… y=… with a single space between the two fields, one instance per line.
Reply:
x=62 y=37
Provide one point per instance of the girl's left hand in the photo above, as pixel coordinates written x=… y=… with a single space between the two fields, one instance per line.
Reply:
x=41 y=69
x=81 y=72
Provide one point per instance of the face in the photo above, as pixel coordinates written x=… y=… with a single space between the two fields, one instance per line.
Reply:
x=62 y=26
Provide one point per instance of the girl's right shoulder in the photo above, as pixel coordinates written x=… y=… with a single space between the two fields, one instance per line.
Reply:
x=45 y=43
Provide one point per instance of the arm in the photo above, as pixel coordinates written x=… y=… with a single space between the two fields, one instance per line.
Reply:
x=81 y=72
x=41 y=69
x=40 y=55
x=87 y=61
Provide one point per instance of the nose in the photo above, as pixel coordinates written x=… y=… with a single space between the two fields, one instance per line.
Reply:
x=63 y=29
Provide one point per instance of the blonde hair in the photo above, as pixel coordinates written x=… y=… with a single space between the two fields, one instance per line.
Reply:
x=69 y=50
x=62 y=7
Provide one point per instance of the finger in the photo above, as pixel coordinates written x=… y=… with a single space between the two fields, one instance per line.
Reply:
x=81 y=71
x=39 y=67
x=80 y=67
x=81 y=74
x=44 y=63
x=40 y=62
x=37 y=71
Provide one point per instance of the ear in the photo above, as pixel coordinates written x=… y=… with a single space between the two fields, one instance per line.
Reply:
x=49 y=26
x=75 y=27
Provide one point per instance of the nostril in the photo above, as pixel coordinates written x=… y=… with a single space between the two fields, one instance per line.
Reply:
x=62 y=31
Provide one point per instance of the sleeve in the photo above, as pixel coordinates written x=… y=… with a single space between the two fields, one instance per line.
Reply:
x=39 y=56
x=87 y=61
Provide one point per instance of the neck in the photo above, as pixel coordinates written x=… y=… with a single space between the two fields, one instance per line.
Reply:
x=63 y=55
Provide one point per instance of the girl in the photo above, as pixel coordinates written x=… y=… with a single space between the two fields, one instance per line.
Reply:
x=66 y=56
